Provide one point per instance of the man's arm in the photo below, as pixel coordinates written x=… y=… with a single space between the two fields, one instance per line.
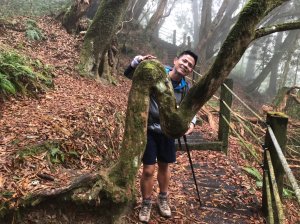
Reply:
x=134 y=63
x=129 y=72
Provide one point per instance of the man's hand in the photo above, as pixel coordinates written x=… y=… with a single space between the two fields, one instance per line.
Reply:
x=148 y=56
x=190 y=130
x=137 y=59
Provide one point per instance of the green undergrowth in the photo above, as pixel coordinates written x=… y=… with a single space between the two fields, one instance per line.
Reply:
x=20 y=75
x=33 y=32
x=52 y=152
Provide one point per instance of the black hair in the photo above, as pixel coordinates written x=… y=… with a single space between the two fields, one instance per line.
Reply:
x=189 y=52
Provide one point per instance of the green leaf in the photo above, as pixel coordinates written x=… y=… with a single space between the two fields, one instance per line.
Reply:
x=288 y=193
x=253 y=172
x=54 y=151
x=259 y=184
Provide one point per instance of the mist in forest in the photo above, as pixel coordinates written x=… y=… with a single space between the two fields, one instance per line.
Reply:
x=269 y=64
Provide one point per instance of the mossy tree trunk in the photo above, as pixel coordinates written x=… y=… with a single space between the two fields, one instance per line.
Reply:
x=71 y=17
x=100 y=34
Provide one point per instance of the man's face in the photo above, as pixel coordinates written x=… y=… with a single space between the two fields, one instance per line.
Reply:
x=184 y=64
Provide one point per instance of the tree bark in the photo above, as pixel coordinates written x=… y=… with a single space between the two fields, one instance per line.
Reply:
x=100 y=34
x=74 y=13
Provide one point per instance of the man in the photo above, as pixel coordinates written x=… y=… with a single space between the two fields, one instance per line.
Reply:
x=160 y=147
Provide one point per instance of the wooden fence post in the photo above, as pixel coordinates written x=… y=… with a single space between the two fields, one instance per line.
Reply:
x=189 y=44
x=278 y=122
x=174 y=37
x=184 y=40
x=226 y=97
x=265 y=189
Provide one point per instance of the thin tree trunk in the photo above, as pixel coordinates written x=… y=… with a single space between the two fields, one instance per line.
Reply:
x=195 y=9
x=286 y=69
x=271 y=91
x=250 y=69
x=156 y=17
x=138 y=9
x=274 y=61
x=204 y=29
x=296 y=72
x=213 y=32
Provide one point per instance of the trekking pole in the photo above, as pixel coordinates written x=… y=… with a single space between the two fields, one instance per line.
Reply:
x=192 y=167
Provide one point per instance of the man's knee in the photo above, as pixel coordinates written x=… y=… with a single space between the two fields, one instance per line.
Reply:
x=148 y=171
x=163 y=167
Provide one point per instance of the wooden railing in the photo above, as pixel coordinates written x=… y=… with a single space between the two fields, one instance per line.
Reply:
x=275 y=167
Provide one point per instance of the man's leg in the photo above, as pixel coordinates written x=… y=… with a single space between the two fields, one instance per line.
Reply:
x=163 y=177
x=146 y=183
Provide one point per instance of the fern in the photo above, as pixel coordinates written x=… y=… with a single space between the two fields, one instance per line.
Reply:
x=6 y=86
x=32 y=35
x=20 y=75
x=33 y=32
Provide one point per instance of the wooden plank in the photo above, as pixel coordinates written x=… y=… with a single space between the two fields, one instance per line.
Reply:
x=273 y=183
x=270 y=215
x=200 y=145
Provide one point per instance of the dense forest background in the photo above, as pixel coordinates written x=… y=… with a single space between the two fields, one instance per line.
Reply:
x=270 y=63
x=49 y=46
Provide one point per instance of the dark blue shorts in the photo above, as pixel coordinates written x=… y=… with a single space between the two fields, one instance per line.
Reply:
x=159 y=147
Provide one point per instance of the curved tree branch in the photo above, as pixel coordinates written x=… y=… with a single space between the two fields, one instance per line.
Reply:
x=264 y=31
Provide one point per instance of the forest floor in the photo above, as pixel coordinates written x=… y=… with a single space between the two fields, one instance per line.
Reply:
x=86 y=118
